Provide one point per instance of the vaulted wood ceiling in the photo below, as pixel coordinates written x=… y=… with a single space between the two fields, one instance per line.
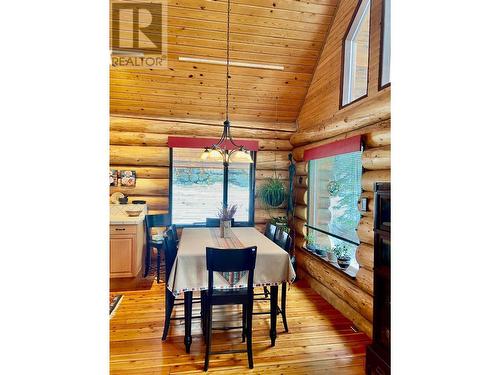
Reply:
x=285 y=32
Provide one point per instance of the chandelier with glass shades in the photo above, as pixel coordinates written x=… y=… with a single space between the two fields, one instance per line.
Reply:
x=219 y=151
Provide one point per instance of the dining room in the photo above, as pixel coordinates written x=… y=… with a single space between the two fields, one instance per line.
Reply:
x=263 y=158
x=249 y=193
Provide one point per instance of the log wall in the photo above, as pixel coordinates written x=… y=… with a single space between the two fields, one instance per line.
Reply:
x=140 y=144
x=352 y=297
x=322 y=101
x=321 y=121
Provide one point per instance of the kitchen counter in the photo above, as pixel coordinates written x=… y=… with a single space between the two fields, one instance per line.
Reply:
x=118 y=215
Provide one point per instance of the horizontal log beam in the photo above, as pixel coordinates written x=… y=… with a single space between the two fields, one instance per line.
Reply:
x=144 y=172
x=300 y=227
x=371 y=203
x=301 y=212
x=378 y=138
x=263 y=215
x=382 y=126
x=364 y=279
x=345 y=309
x=364 y=256
x=378 y=158
x=370 y=177
x=300 y=182
x=301 y=168
x=194 y=129
x=153 y=202
x=365 y=230
x=337 y=283
x=375 y=109
x=300 y=196
x=263 y=174
x=139 y=155
x=147 y=186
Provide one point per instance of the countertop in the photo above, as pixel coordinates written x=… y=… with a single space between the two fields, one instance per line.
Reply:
x=118 y=216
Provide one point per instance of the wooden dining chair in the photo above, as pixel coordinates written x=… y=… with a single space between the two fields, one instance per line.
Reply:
x=214 y=222
x=174 y=233
x=154 y=221
x=270 y=231
x=229 y=260
x=284 y=240
x=170 y=255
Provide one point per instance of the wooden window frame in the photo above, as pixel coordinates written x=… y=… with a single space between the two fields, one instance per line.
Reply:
x=381 y=51
x=346 y=35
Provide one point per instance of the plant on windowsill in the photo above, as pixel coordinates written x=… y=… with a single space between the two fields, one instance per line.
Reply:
x=343 y=256
x=330 y=253
x=272 y=193
x=225 y=215
x=311 y=242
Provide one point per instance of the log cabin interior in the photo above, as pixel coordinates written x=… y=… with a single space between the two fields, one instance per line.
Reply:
x=299 y=94
x=256 y=187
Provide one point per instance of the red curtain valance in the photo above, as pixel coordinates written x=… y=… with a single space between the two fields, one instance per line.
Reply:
x=335 y=148
x=188 y=142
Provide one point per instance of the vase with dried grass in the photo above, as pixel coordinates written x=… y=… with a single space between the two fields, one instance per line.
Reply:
x=226 y=214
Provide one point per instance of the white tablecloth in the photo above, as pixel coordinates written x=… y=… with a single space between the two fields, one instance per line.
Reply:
x=189 y=272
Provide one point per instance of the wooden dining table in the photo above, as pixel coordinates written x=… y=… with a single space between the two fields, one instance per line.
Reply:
x=189 y=271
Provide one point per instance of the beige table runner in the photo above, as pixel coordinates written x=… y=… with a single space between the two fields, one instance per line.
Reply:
x=189 y=272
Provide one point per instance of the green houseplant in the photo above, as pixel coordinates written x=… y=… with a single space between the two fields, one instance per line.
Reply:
x=272 y=193
x=343 y=256
x=311 y=242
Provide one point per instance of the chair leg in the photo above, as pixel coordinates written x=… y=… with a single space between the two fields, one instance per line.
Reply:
x=147 y=261
x=158 y=262
x=249 y=311
x=209 y=336
x=244 y=323
x=169 y=306
x=283 y=306
x=266 y=292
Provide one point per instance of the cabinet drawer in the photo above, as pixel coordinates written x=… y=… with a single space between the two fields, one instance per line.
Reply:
x=122 y=229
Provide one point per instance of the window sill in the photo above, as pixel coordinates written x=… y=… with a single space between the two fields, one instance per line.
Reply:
x=350 y=271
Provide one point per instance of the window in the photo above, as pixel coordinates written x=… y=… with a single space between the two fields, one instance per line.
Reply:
x=198 y=188
x=355 y=59
x=385 y=57
x=334 y=190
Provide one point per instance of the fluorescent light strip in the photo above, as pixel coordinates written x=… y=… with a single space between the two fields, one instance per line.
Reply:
x=232 y=63
x=129 y=52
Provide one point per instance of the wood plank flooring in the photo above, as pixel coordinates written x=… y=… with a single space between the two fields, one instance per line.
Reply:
x=320 y=339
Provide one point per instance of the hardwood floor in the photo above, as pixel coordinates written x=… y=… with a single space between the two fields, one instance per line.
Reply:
x=320 y=341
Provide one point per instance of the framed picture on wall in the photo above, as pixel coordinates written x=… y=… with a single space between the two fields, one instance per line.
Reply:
x=113 y=177
x=127 y=178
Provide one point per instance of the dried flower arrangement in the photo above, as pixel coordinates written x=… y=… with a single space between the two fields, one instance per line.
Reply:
x=227 y=213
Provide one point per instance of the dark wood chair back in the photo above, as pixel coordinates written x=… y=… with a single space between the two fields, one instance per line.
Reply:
x=213 y=222
x=231 y=260
x=170 y=252
x=270 y=231
x=283 y=240
x=155 y=221
x=174 y=233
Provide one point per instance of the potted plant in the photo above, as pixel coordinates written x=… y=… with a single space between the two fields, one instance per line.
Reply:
x=225 y=215
x=343 y=256
x=281 y=222
x=272 y=193
x=321 y=251
x=311 y=242
x=330 y=253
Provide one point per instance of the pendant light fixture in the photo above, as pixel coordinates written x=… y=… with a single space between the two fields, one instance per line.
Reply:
x=219 y=150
